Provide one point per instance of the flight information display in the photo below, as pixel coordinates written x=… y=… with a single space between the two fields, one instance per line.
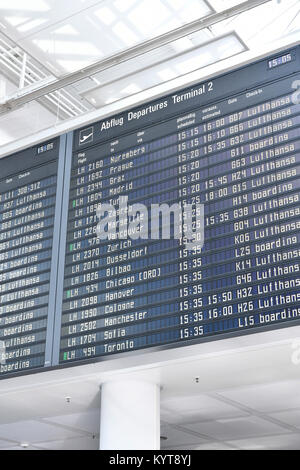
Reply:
x=28 y=187
x=230 y=145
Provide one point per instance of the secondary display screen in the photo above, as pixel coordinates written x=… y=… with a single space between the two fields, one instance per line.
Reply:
x=235 y=153
x=28 y=187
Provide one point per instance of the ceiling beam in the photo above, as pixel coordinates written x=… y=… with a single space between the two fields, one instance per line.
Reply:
x=22 y=96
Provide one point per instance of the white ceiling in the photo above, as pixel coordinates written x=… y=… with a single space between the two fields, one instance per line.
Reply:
x=247 y=397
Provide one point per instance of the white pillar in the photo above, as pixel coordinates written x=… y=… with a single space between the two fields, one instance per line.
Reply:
x=130 y=416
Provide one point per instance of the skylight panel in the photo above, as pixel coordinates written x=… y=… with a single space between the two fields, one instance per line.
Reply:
x=194 y=10
x=176 y=4
x=147 y=15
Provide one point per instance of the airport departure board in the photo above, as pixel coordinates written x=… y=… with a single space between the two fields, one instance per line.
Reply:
x=236 y=153
x=28 y=187
x=227 y=148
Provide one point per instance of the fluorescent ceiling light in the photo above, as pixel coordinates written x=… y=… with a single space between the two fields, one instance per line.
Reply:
x=106 y=15
x=28 y=5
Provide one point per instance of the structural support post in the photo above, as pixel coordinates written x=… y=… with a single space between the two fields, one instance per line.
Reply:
x=130 y=416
